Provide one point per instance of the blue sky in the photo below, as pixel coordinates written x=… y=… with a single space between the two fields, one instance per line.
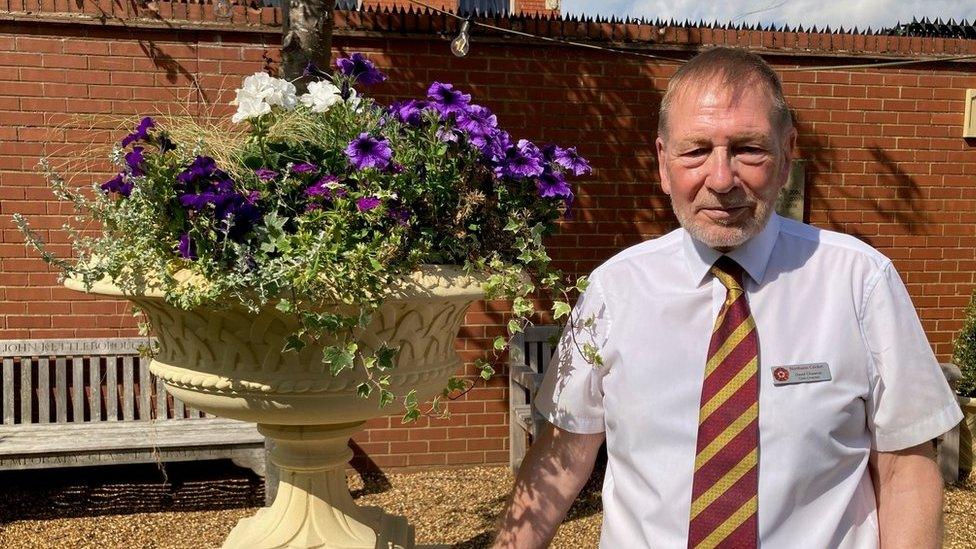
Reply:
x=849 y=13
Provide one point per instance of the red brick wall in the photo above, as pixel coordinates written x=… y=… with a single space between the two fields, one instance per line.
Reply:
x=885 y=160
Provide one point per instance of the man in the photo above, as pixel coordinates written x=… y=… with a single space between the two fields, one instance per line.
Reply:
x=761 y=381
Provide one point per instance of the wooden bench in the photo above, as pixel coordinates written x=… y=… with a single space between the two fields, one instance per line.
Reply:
x=529 y=355
x=74 y=402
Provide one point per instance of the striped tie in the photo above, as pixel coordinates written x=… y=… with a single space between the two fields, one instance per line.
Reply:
x=725 y=491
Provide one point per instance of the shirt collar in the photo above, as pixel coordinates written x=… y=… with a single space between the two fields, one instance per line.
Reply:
x=753 y=256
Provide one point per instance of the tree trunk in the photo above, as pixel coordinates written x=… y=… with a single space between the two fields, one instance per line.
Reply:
x=306 y=37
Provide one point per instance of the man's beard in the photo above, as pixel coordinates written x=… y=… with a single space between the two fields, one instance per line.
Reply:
x=725 y=237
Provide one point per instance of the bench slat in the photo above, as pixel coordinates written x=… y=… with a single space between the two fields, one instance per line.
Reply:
x=128 y=390
x=179 y=409
x=8 y=391
x=95 y=388
x=61 y=389
x=162 y=407
x=145 y=390
x=81 y=437
x=112 y=389
x=43 y=390
x=77 y=389
x=25 y=392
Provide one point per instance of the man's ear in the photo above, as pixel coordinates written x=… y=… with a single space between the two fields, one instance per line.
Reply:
x=662 y=169
x=789 y=148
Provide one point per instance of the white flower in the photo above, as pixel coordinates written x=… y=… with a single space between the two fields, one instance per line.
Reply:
x=283 y=94
x=321 y=96
x=248 y=106
x=259 y=93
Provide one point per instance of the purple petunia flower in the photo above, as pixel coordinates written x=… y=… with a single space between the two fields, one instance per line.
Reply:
x=522 y=160
x=304 y=167
x=495 y=144
x=553 y=184
x=118 y=184
x=410 y=112
x=571 y=161
x=187 y=248
x=400 y=215
x=264 y=174
x=326 y=187
x=201 y=167
x=446 y=100
x=481 y=128
x=476 y=120
x=361 y=68
x=367 y=203
x=134 y=160
x=204 y=187
x=369 y=152
x=141 y=132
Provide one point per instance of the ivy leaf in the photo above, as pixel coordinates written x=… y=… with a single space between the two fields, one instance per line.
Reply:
x=284 y=305
x=582 y=283
x=364 y=389
x=522 y=306
x=591 y=354
x=386 y=397
x=560 y=309
x=385 y=356
x=410 y=401
x=293 y=343
x=514 y=327
x=455 y=384
x=338 y=358
x=486 y=370
x=499 y=343
x=512 y=225
x=364 y=318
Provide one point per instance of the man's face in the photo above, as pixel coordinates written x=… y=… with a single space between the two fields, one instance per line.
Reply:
x=723 y=163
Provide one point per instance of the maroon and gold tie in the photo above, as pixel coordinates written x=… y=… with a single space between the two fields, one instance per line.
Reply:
x=725 y=490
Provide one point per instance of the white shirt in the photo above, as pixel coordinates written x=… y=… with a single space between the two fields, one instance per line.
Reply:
x=817 y=297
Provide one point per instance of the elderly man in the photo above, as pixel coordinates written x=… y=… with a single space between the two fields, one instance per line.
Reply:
x=760 y=381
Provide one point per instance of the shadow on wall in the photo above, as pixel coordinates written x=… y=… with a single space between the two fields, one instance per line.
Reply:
x=892 y=195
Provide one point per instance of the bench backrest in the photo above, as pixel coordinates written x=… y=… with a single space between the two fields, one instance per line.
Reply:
x=81 y=381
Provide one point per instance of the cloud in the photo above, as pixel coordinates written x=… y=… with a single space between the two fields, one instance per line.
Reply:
x=836 y=13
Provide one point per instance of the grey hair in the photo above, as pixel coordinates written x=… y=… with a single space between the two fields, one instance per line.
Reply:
x=736 y=70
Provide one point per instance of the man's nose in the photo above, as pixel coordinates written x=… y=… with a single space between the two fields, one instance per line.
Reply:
x=721 y=178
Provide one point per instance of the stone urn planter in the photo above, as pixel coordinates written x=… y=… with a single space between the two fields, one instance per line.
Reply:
x=228 y=362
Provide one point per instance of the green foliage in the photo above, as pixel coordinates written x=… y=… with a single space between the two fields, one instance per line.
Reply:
x=964 y=353
x=324 y=258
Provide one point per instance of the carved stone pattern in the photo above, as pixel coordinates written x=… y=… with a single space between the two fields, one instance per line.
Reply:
x=234 y=351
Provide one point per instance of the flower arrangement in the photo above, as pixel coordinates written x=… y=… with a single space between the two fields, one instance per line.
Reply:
x=325 y=198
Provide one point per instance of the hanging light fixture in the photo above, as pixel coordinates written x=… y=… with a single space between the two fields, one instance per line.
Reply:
x=462 y=43
x=222 y=8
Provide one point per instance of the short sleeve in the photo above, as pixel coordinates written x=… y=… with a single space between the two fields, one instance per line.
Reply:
x=571 y=394
x=910 y=401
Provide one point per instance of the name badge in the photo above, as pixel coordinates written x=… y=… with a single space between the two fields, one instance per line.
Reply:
x=800 y=373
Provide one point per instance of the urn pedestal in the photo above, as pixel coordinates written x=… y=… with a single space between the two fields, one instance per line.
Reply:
x=228 y=362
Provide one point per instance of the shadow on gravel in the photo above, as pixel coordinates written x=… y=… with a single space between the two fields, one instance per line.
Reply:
x=43 y=494
x=587 y=504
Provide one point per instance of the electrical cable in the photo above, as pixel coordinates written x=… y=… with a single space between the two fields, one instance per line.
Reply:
x=901 y=62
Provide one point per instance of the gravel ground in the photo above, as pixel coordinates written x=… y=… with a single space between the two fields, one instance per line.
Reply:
x=197 y=504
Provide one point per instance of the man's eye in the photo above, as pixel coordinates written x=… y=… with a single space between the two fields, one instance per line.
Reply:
x=696 y=152
x=750 y=150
